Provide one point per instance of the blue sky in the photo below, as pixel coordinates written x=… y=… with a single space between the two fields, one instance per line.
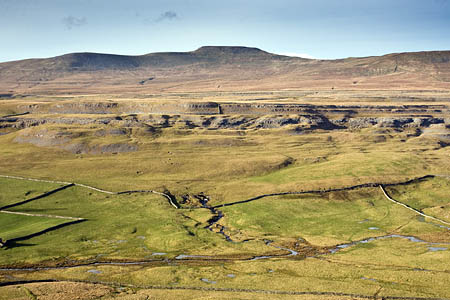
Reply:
x=319 y=28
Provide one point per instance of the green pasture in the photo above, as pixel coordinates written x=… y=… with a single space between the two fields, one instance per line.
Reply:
x=14 y=190
x=226 y=164
x=325 y=219
x=16 y=226
x=229 y=166
x=430 y=196
x=129 y=227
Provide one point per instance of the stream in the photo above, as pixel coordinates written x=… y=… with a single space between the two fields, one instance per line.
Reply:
x=214 y=220
x=365 y=241
x=269 y=243
x=432 y=247
x=217 y=215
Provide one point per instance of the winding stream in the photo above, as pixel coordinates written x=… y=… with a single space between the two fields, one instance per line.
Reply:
x=432 y=247
x=365 y=241
x=214 y=220
x=269 y=243
x=217 y=215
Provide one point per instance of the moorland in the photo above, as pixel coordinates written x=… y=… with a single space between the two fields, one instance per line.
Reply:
x=225 y=173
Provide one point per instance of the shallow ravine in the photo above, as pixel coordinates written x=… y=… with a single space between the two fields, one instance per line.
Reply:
x=214 y=220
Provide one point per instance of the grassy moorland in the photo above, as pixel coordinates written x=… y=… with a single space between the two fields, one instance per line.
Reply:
x=14 y=190
x=340 y=244
x=14 y=226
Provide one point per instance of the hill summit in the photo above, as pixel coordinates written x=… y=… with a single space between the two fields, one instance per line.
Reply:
x=213 y=68
x=229 y=50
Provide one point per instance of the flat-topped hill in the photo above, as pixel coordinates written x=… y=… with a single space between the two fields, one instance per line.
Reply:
x=217 y=68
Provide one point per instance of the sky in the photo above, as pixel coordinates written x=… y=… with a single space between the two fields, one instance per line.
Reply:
x=317 y=28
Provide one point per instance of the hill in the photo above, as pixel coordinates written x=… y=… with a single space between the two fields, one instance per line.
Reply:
x=221 y=68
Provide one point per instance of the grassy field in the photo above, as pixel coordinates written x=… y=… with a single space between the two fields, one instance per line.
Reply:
x=16 y=226
x=230 y=166
x=14 y=191
x=98 y=291
x=431 y=197
x=117 y=227
x=407 y=257
x=326 y=220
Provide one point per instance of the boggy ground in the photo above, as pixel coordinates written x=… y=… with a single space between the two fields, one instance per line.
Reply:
x=336 y=244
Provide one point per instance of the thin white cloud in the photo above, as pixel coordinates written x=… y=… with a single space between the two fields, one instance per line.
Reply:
x=302 y=55
x=71 y=21
x=167 y=15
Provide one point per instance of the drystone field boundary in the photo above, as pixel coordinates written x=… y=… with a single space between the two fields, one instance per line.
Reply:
x=40 y=215
x=37 y=197
x=169 y=197
x=71 y=220
x=88 y=187
x=172 y=200
x=321 y=191
x=34 y=179
x=35 y=234
x=410 y=208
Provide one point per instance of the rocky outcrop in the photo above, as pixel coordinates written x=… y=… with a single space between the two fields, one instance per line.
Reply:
x=121 y=125
x=213 y=108
x=387 y=122
x=110 y=127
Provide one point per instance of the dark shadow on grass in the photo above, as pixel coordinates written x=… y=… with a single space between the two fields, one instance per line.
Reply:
x=13 y=244
x=10 y=243
x=322 y=191
x=37 y=197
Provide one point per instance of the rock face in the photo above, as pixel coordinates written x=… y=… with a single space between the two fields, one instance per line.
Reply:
x=122 y=125
x=115 y=134
x=388 y=122
x=214 y=115
x=213 y=108
x=112 y=127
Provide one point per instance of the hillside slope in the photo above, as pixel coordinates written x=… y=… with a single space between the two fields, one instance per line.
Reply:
x=214 y=68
